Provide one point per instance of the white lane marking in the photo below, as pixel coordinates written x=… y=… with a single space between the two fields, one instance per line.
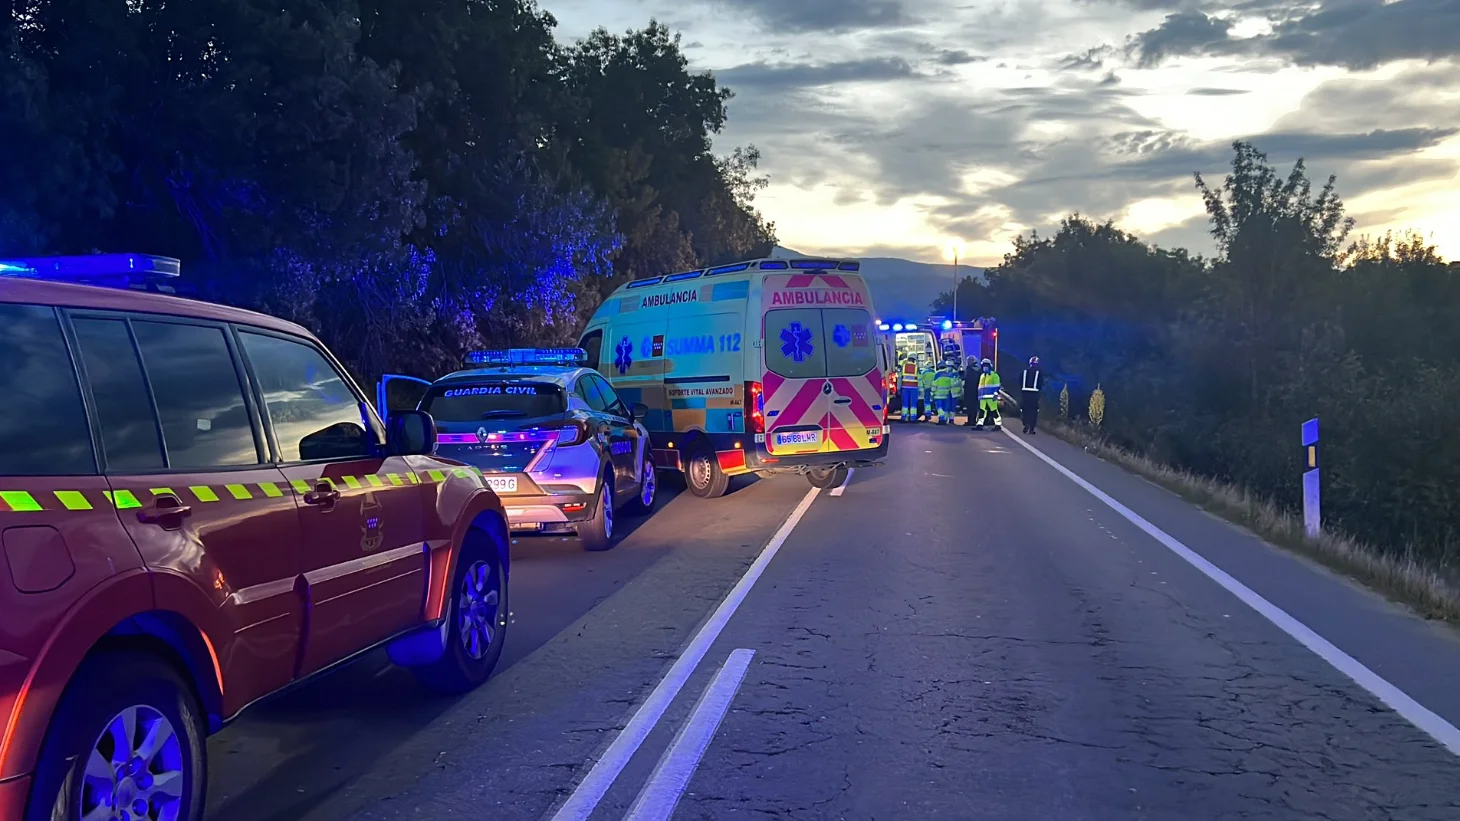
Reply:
x=1399 y=701
x=842 y=488
x=584 y=800
x=671 y=777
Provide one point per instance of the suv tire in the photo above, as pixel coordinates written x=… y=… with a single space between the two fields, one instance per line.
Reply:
x=476 y=611
x=111 y=692
x=643 y=503
x=597 y=532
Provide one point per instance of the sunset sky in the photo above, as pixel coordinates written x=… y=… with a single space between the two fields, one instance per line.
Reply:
x=890 y=127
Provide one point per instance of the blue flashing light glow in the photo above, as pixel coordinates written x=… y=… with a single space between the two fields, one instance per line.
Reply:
x=121 y=270
x=773 y=265
x=568 y=357
x=813 y=264
x=897 y=327
x=884 y=327
x=909 y=327
x=849 y=266
x=640 y=283
x=728 y=269
x=947 y=324
x=683 y=276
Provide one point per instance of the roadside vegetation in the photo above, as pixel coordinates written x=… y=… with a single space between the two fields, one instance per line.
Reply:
x=1209 y=367
x=409 y=180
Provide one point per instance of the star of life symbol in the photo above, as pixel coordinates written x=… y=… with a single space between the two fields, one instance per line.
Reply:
x=796 y=342
x=624 y=355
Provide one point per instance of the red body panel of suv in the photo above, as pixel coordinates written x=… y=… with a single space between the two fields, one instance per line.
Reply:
x=198 y=508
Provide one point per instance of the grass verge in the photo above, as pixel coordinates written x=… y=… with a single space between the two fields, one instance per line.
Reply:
x=1401 y=578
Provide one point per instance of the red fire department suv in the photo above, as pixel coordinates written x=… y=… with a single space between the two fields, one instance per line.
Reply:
x=198 y=507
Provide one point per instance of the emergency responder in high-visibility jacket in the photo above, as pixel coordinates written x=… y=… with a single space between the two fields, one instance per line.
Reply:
x=1029 y=395
x=988 y=397
x=956 y=403
x=943 y=395
x=925 y=382
x=909 y=386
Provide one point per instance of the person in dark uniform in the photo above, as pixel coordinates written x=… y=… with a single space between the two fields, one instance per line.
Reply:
x=1029 y=395
x=971 y=373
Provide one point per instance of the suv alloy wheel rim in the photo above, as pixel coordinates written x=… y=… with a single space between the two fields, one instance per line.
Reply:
x=477 y=610
x=646 y=488
x=607 y=510
x=135 y=771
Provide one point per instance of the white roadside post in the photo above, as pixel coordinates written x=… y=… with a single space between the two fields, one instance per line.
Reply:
x=1312 y=520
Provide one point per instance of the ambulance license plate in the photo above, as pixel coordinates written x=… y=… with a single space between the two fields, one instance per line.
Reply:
x=502 y=484
x=800 y=437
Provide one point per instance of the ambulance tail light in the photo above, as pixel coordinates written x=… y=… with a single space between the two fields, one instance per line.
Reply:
x=755 y=407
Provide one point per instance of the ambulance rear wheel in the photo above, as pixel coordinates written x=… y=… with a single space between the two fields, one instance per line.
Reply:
x=827 y=477
x=702 y=474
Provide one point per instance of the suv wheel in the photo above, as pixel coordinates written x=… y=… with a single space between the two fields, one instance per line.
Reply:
x=643 y=504
x=126 y=743
x=477 y=620
x=702 y=474
x=827 y=477
x=597 y=533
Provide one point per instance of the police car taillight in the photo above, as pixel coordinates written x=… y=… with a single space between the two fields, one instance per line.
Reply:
x=111 y=270
x=573 y=433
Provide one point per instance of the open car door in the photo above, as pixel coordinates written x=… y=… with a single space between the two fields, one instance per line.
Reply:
x=396 y=393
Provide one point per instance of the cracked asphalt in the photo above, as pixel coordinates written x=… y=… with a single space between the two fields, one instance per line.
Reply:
x=965 y=634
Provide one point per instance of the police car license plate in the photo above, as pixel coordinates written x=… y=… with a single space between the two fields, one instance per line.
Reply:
x=502 y=484
x=800 y=437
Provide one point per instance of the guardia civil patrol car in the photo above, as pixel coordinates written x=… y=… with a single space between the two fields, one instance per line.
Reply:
x=551 y=437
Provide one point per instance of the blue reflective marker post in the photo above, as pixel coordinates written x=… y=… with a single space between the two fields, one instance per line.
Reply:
x=1312 y=520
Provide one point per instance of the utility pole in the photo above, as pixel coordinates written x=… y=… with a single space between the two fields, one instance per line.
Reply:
x=955 y=284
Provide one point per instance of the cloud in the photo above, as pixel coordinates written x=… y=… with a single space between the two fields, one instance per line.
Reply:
x=1216 y=92
x=764 y=76
x=1352 y=34
x=824 y=15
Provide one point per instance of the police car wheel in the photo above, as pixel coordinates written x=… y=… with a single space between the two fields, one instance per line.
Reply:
x=827 y=477
x=597 y=532
x=702 y=474
x=475 y=627
x=126 y=741
x=648 y=490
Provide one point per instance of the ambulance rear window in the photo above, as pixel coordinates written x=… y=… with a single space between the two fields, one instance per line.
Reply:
x=473 y=402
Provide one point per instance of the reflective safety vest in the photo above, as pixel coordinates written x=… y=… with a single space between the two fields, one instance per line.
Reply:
x=957 y=385
x=988 y=386
x=909 y=374
x=925 y=380
x=1032 y=379
x=942 y=385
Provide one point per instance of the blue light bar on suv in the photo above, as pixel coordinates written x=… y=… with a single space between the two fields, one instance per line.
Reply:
x=117 y=270
x=565 y=357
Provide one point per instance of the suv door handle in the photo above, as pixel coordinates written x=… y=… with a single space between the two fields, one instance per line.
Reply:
x=167 y=510
x=323 y=495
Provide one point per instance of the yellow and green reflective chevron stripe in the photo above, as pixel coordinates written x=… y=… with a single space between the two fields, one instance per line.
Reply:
x=23 y=501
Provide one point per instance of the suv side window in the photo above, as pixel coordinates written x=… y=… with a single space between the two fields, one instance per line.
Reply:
x=589 y=392
x=43 y=430
x=125 y=416
x=314 y=413
x=611 y=402
x=195 y=383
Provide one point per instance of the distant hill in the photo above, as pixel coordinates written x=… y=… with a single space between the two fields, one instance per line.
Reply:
x=901 y=288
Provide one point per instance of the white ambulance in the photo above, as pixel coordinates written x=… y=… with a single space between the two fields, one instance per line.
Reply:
x=766 y=366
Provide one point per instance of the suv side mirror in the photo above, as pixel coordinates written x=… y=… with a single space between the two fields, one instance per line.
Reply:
x=411 y=433
x=638 y=411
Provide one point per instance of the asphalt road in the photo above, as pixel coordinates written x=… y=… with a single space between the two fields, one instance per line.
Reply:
x=965 y=633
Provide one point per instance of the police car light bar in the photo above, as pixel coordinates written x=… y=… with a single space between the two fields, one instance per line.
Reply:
x=95 y=269
x=529 y=356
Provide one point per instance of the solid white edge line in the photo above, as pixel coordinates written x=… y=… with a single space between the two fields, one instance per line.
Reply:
x=842 y=488
x=661 y=793
x=584 y=800
x=1400 y=702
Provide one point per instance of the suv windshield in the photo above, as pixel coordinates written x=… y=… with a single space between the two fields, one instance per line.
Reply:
x=473 y=402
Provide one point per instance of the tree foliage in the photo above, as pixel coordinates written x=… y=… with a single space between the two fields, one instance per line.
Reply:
x=1214 y=364
x=410 y=180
